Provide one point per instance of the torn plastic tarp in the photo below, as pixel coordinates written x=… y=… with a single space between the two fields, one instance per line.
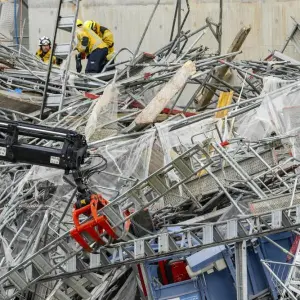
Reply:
x=268 y=117
x=185 y=137
x=127 y=161
x=40 y=173
x=7 y=251
x=104 y=111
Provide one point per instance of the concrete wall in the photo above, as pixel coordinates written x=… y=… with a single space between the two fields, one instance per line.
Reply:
x=270 y=21
x=9 y=33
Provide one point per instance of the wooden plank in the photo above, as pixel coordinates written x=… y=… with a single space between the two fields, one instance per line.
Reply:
x=172 y=87
x=205 y=95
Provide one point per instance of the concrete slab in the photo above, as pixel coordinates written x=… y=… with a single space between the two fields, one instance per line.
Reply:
x=19 y=102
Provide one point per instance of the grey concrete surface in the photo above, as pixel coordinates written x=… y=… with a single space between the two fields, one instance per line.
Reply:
x=270 y=21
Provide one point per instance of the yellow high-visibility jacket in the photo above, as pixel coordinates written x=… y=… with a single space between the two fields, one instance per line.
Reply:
x=108 y=38
x=88 y=41
x=45 y=57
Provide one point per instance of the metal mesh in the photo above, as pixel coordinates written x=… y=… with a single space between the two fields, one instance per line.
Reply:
x=273 y=203
x=206 y=184
x=174 y=198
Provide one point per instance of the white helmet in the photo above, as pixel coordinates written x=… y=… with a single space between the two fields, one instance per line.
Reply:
x=44 y=41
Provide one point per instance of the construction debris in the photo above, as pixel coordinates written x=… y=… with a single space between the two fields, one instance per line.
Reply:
x=206 y=95
x=198 y=173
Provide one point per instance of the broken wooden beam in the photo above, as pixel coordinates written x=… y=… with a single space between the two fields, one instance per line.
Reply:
x=205 y=95
x=158 y=103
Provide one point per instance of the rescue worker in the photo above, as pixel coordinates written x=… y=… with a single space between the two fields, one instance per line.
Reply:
x=105 y=34
x=44 y=52
x=91 y=46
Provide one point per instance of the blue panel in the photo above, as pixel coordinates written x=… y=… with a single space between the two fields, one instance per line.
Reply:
x=256 y=276
x=272 y=287
x=182 y=290
x=152 y=270
x=277 y=236
x=220 y=285
x=188 y=288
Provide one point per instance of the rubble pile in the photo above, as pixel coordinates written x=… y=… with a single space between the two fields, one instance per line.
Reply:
x=196 y=139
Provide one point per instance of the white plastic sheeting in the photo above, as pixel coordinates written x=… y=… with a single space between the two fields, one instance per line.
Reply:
x=104 y=111
x=268 y=117
x=127 y=161
x=271 y=84
x=186 y=136
x=278 y=113
x=292 y=126
x=7 y=251
x=44 y=173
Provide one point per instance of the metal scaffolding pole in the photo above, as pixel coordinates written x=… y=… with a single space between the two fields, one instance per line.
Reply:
x=179 y=25
x=241 y=270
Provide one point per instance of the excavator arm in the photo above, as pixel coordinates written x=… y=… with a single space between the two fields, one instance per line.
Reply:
x=61 y=149
x=68 y=155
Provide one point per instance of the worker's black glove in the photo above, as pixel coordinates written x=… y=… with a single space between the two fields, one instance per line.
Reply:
x=59 y=61
x=78 y=63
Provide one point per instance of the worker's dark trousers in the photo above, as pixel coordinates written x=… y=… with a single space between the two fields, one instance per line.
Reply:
x=96 y=61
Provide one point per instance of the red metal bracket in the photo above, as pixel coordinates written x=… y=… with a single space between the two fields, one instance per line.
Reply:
x=95 y=227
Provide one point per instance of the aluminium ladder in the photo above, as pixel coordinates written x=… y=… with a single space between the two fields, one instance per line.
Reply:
x=63 y=51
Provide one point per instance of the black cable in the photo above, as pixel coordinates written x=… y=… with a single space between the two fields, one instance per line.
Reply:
x=98 y=168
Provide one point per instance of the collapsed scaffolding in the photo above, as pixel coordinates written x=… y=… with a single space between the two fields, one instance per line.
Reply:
x=221 y=169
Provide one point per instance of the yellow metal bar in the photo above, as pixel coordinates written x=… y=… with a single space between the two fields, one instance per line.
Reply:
x=225 y=99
